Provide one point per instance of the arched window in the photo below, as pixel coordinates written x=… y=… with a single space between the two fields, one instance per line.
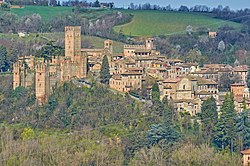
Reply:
x=184 y=86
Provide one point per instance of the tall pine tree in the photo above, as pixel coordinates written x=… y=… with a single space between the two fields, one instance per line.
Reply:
x=243 y=129
x=248 y=77
x=105 y=74
x=225 y=129
x=209 y=117
x=165 y=132
x=155 y=92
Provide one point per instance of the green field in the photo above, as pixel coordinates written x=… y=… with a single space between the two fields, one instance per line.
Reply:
x=153 y=23
x=48 y=12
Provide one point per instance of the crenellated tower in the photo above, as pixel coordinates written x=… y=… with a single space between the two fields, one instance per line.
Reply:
x=150 y=44
x=108 y=49
x=72 y=42
x=42 y=81
x=16 y=75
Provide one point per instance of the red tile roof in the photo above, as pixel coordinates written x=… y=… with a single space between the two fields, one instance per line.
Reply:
x=245 y=151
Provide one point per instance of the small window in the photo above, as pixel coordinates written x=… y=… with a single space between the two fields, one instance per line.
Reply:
x=184 y=86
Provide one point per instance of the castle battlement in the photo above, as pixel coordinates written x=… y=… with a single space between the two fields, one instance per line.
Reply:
x=72 y=28
x=134 y=47
x=44 y=74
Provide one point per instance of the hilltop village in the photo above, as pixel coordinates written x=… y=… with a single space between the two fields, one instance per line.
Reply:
x=187 y=85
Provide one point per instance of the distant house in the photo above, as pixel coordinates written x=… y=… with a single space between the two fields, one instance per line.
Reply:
x=22 y=34
x=1 y=2
x=212 y=34
x=104 y=5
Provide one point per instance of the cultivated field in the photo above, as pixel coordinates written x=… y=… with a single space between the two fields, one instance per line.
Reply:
x=150 y=23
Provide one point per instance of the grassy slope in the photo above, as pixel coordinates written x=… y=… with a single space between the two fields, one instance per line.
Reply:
x=149 y=23
x=97 y=42
x=45 y=11
x=48 y=12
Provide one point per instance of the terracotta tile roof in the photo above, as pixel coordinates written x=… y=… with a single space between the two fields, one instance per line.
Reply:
x=241 y=68
x=214 y=65
x=247 y=151
x=91 y=50
x=135 y=68
x=175 y=60
x=238 y=84
x=146 y=58
x=204 y=93
x=142 y=51
x=203 y=81
x=172 y=80
x=189 y=64
x=131 y=73
x=185 y=101
x=117 y=77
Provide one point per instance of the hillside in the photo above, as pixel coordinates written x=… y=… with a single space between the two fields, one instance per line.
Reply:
x=48 y=12
x=44 y=11
x=91 y=41
x=150 y=23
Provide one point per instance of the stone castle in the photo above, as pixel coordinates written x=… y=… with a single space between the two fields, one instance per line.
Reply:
x=43 y=74
x=187 y=85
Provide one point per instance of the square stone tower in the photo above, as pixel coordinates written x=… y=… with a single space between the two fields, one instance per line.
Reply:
x=42 y=81
x=72 y=42
x=16 y=75
x=150 y=44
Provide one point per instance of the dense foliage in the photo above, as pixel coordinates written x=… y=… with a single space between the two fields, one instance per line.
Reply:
x=104 y=127
x=105 y=73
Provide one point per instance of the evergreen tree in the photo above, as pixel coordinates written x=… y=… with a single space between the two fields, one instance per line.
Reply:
x=4 y=65
x=165 y=132
x=209 y=117
x=244 y=104
x=248 y=77
x=225 y=129
x=243 y=129
x=196 y=128
x=104 y=74
x=155 y=92
x=96 y=4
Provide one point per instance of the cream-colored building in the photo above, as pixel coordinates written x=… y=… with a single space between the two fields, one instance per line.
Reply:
x=246 y=157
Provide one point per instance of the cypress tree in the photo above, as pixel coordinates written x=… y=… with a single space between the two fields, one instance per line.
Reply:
x=225 y=129
x=105 y=74
x=155 y=92
x=209 y=117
